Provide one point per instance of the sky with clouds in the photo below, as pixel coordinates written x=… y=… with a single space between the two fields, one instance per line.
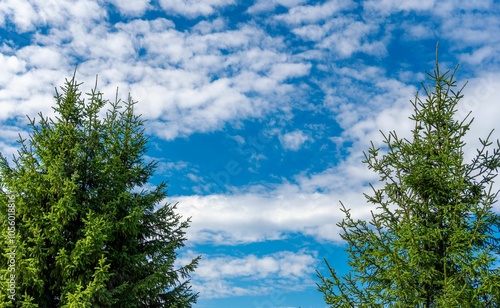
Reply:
x=258 y=111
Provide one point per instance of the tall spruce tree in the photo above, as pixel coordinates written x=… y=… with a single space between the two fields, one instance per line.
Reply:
x=433 y=240
x=86 y=233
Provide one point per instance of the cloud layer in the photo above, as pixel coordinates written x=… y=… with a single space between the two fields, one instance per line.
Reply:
x=198 y=67
x=215 y=276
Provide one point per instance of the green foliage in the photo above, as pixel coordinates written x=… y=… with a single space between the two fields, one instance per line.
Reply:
x=432 y=242
x=85 y=235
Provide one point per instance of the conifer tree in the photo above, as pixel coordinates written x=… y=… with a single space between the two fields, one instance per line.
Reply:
x=433 y=239
x=87 y=233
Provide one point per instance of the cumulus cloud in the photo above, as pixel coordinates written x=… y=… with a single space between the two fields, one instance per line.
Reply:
x=131 y=8
x=255 y=214
x=261 y=6
x=198 y=80
x=388 y=6
x=478 y=55
x=186 y=82
x=27 y=15
x=441 y=8
x=21 y=13
x=285 y=270
x=304 y=14
x=481 y=101
x=344 y=35
x=294 y=140
x=193 y=8
x=285 y=264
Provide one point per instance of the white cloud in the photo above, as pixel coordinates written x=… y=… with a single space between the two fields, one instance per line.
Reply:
x=180 y=98
x=131 y=8
x=310 y=204
x=28 y=93
x=11 y=65
x=472 y=28
x=285 y=270
x=42 y=57
x=479 y=55
x=171 y=73
x=21 y=13
x=27 y=15
x=166 y=168
x=194 y=177
x=481 y=100
x=224 y=289
x=311 y=32
x=468 y=27
x=344 y=35
x=283 y=71
x=261 y=6
x=294 y=140
x=385 y=103
x=270 y=213
x=387 y=111
x=420 y=31
x=193 y=8
x=284 y=264
x=470 y=23
x=313 y=13
x=9 y=135
x=388 y=6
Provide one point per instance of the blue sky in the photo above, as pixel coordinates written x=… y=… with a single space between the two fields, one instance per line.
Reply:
x=258 y=111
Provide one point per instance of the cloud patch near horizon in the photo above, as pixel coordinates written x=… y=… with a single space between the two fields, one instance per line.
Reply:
x=285 y=271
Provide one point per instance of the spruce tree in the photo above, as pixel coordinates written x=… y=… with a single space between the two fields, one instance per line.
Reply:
x=87 y=232
x=433 y=239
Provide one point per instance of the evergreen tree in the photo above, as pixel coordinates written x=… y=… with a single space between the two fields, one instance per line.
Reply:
x=432 y=242
x=86 y=233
